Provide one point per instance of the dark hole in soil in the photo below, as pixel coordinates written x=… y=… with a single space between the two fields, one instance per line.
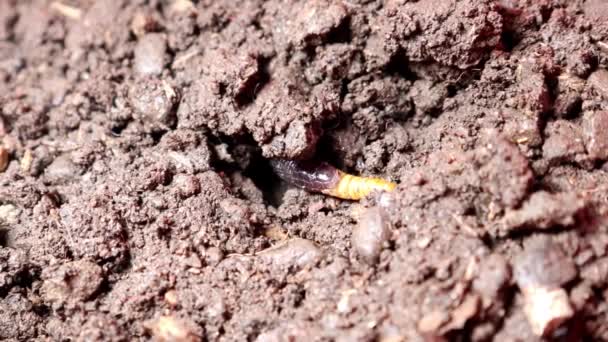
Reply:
x=157 y=135
x=399 y=65
x=261 y=174
x=508 y=40
x=255 y=84
x=3 y=237
x=222 y=87
x=116 y=130
x=341 y=34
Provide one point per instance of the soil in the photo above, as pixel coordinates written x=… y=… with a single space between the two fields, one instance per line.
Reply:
x=138 y=201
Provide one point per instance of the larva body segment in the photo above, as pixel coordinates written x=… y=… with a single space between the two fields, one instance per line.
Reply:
x=326 y=179
x=306 y=175
x=355 y=188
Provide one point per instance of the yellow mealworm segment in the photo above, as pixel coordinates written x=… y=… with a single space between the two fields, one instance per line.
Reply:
x=324 y=178
x=355 y=188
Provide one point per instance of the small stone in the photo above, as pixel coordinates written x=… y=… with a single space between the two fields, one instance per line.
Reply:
x=183 y=6
x=291 y=253
x=371 y=234
x=595 y=128
x=151 y=54
x=9 y=214
x=61 y=170
x=172 y=329
x=154 y=102
x=213 y=256
x=171 y=298
x=546 y=309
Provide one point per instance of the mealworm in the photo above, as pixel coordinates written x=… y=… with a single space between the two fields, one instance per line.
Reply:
x=326 y=179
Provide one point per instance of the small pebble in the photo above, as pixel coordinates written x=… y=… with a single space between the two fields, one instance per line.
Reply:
x=371 y=234
x=154 y=102
x=213 y=256
x=171 y=298
x=173 y=329
x=9 y=214
x=181 y=6
x=151 y=54
x=546 y=309
x=61 y=170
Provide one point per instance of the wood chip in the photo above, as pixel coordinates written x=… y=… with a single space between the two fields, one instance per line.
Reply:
x=66 y=10
x=26 y=161
x=3 y=158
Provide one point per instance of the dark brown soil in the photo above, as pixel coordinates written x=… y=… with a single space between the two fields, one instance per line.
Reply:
x=138 y=200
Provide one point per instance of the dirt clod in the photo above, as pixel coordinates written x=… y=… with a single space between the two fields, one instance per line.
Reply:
x=596 y=134
x=72 y=282
x=494 y=277
x=291 y=253
x=568 y=101
x=544 y=210
x=563 y=142
x=543 y=263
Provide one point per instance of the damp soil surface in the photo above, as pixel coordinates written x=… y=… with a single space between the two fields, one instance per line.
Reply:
x=137 y=200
